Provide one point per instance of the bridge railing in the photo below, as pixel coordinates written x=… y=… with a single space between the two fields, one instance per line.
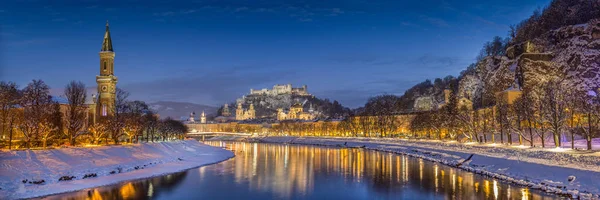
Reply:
x=218 y=133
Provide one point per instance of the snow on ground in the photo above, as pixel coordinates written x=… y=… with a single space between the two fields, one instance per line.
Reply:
x=546 y=169
x=111 y=164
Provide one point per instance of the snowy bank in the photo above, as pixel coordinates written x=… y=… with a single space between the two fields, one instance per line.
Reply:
x=548 y=170
x=97 y=166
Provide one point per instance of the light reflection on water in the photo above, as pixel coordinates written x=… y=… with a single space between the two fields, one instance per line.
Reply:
x=276 y=171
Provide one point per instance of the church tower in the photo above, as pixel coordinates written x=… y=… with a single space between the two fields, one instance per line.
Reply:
x=251 y=112
x=203 y=118
x=239 y=112
x=107 y=81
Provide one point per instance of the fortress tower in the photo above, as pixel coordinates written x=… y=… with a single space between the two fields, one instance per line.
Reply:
x=107 y=81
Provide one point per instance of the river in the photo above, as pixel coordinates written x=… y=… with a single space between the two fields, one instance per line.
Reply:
x=279 y=171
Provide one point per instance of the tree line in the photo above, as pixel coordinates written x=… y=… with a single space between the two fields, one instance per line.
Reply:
x=31 y=117
x=549 y=110
x=538 y=115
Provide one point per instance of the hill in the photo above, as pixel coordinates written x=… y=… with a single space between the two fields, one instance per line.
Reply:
x=561 y=41
x=266 y=105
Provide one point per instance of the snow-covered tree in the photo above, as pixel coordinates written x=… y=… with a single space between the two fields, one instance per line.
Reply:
x=524 y=108
x=555 y=113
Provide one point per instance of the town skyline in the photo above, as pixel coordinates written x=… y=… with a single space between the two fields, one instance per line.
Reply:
x=180 y=52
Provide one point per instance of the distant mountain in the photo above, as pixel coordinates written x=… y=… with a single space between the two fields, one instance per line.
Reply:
x=176 y=110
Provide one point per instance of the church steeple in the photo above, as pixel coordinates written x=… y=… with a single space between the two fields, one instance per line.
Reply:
x=107 y=81
x=107 y=43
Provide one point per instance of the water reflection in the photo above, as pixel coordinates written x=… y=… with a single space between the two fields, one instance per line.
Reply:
x=130 y=190
x=267 y=171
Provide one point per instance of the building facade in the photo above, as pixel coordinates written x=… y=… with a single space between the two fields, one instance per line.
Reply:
x=242 y=114
x=296 y=111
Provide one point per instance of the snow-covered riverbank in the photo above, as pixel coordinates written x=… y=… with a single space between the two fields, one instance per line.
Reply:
x=545 y=169
x=104 y=165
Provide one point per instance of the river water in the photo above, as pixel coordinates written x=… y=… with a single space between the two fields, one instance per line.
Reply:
x=279 y=171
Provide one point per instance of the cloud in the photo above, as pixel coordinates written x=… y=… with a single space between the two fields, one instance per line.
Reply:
x=433 y=60
x=30 y=42
x=298 y=11
x=336 y=12
x=435 y=21
x=446 y=6
x=187 y=11
x=433 y=64
x=241 y=9
x=362 y=59
x=263 y=10
x=355 y=97
x=164 y=14
x=6 y=34
x=174 y=13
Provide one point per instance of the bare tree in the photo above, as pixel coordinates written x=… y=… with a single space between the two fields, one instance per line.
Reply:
x=468 y=123
x=116 y=122
x=9 y=99
x=503 y=119
x=555 y=108
x=150 y=122
x=382 y=109
x=134 y=118
x=170 y=129
x=96 y=132
x=525 y=112
x=75 y=114
x=540 y=122
x=39 y=113
x=50 y=126
x=585 y=115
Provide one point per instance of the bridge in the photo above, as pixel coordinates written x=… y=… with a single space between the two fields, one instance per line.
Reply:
x=218 y=133
x=207 y=135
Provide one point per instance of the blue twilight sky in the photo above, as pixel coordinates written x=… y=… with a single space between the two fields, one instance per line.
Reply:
x=211 y=52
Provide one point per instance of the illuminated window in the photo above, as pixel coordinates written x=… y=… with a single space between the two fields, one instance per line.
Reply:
x=104 y=110
x=104 y=66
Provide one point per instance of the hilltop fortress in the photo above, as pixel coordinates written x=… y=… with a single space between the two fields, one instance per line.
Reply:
x=281 y=89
